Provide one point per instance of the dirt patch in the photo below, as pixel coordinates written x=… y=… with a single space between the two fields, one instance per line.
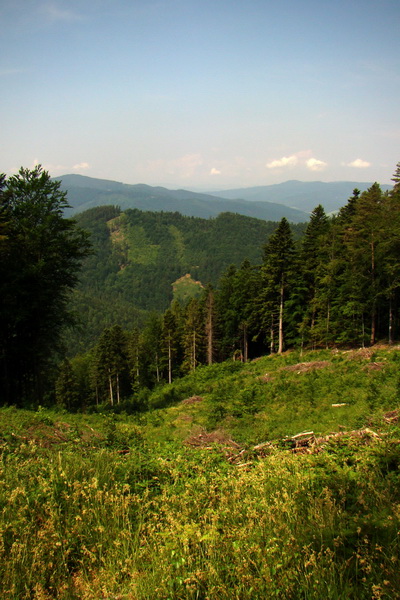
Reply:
x=185 y=418
x=361 y=353
x=391 y=417
x=206 y=439
x=47 y=435
x=374 y=366
x=307 y=366
x=266 y=378
x=192 y=400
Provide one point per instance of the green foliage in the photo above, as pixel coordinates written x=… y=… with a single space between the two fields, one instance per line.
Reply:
x=40 y=256
x=139 y=257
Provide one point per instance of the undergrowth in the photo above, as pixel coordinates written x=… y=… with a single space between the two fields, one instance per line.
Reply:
x=122 y=507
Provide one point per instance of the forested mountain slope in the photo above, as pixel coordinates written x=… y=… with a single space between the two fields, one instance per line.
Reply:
x=139 y=260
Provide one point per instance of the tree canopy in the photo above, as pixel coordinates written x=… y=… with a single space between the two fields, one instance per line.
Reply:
x=40 y=256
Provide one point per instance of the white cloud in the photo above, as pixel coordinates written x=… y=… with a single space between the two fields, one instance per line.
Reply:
x=359 y=164
x=81 y=166
x=54 y=12
x=315 y=165
x=285 y=161
x=215 y=171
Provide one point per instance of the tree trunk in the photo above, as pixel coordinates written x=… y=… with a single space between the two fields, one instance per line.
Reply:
x=272 y=336
x=328 y=316
x=194 y=351
x=169 y=361
x=245 y=344
x=373 y=311
x=111 y=388
x=280 y=345
x=210 y=329
x=390 y=321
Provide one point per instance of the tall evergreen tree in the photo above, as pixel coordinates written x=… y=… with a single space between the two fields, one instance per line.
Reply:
x=111 y=359
x=313 y=258
x=194 y=335
x=169 y=341
x=277 y=274
x=151 y=351
x=226 y=315
x=67 y=392
x=40 y=256
x=210 y=318
x=362 y=238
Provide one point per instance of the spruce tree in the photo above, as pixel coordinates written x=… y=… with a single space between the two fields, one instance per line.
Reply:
x=312 y=260
x=40 y=256
x=277 y=275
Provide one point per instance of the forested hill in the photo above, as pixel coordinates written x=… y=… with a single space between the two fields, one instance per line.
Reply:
x=142 y=260
x=87 y=192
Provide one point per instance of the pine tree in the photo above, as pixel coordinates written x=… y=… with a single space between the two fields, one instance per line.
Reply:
x=277 y=274
x=194 y=335
x=111 y=360
x=209 y=308
x=67 y=392
x=362 y=239
x=227 y=323
x=151 y=351
x=396 y=180
x=40 y=255
x=169 y=341
x=313 y=258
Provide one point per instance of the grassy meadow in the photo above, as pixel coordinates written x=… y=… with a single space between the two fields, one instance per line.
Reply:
x=211 y=494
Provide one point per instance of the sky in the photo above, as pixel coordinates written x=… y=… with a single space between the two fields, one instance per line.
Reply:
x=201 y=94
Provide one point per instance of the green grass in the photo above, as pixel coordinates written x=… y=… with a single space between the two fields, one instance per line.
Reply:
x=122 y=507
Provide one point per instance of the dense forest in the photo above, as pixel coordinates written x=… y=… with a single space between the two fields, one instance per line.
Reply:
x=141 y=262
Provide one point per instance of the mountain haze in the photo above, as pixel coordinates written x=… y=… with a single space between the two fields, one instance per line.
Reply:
x=86 y=192
x=301 y=195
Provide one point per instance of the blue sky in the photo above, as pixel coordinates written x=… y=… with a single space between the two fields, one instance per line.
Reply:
x=201 y=94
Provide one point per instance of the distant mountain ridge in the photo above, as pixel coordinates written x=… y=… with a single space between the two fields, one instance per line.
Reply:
x=87 y=192
x=302 y=195
x=291 y=199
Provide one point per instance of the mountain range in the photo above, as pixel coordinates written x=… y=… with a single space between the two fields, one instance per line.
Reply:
x=301 y=195
x=291 y=199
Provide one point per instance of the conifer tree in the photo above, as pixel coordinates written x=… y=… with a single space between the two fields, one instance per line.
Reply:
x=194 y=335
x=209 y=309
x=169 y=341
x=67 y=392
x=111 y=362
x=40 y=255
x=151 y=350
x=362 y=239
x=226 y=315
x=277 y=274
x=313 y=258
